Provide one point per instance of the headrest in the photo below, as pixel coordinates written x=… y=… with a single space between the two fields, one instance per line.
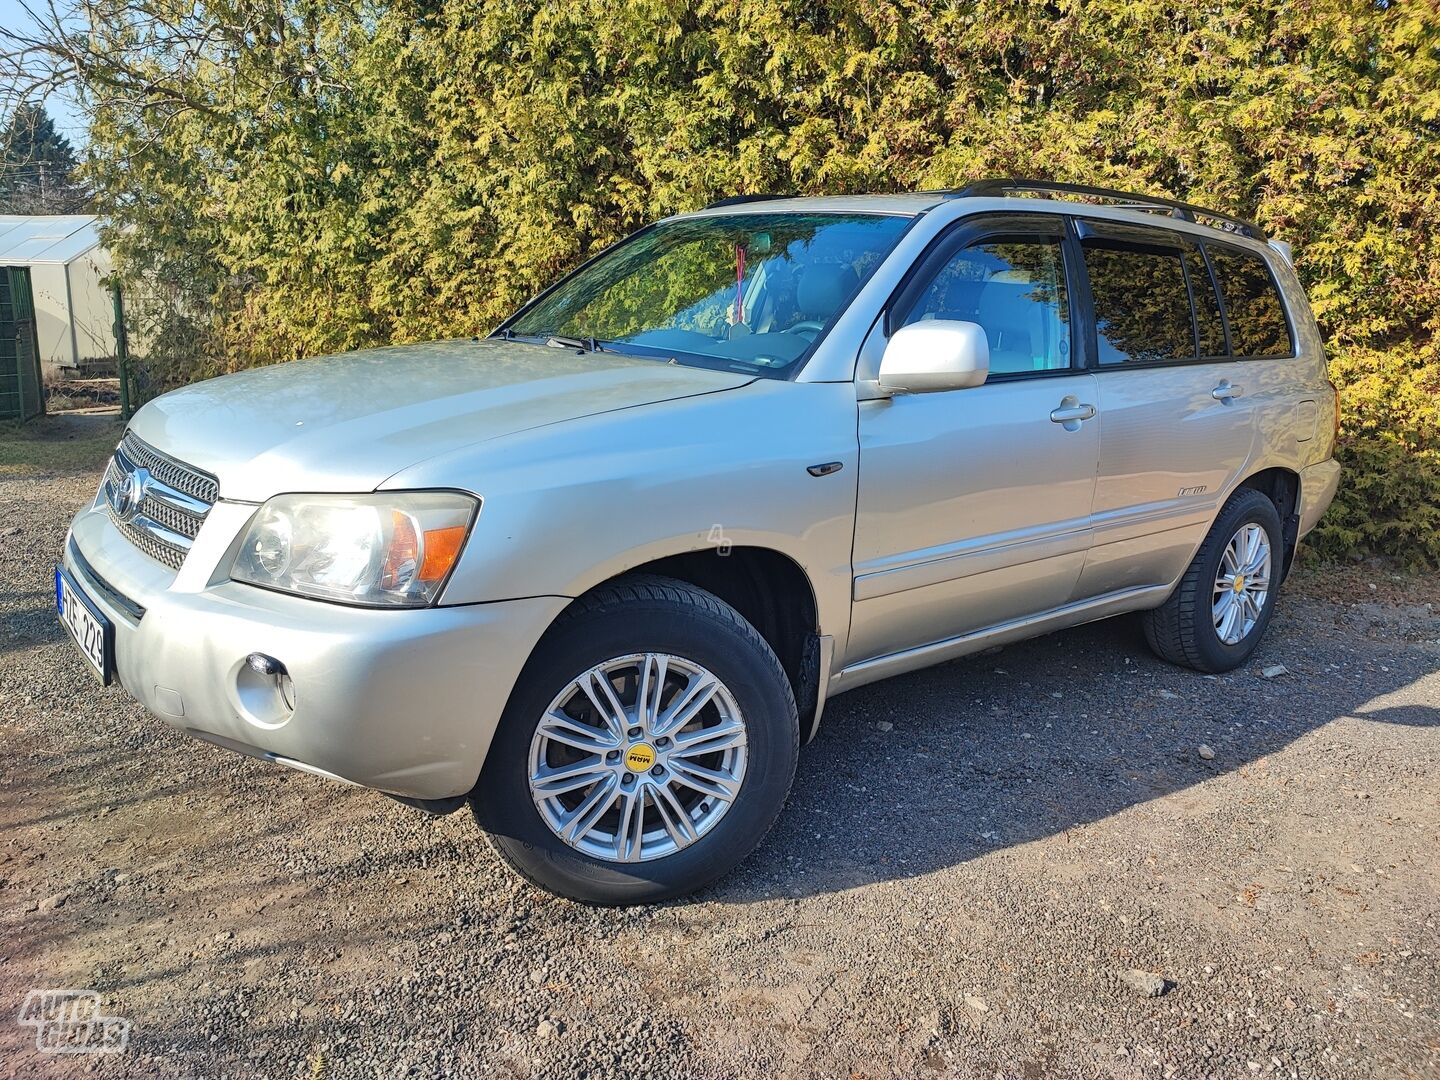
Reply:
x=960 y=298
x=1007 y=304
x=823 y=287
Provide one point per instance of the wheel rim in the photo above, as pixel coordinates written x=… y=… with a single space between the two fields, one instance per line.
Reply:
x=637 y=758
x=1242 y=585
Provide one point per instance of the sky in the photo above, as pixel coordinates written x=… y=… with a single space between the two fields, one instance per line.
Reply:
x=62 y=109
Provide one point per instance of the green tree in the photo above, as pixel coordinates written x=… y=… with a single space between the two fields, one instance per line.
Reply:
x=288 y=177
x=37 y=166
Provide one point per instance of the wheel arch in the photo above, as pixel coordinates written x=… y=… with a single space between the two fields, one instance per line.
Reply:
x=1282 y=487
x=771 y=591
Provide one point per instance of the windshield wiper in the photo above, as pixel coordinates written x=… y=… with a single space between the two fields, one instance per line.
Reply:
x=555 y=341
x=559 y=341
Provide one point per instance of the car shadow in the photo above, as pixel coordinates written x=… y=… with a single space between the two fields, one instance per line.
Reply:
x=928 y=770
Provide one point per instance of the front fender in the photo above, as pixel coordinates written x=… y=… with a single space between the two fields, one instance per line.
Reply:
x=569 y=506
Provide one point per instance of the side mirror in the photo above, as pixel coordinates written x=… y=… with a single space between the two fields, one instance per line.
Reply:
x=935 y=355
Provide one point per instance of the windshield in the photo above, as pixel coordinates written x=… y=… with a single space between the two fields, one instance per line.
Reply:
x=749 y=292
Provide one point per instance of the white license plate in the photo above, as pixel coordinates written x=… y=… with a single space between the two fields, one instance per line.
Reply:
x=90 y=630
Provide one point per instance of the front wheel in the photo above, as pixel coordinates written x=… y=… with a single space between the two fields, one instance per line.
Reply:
x=647 y=748
x=1214 y=619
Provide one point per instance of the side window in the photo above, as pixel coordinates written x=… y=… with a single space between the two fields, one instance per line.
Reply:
x=1257 y=317
x=1142 y=307
x=1207 y=308
x=1014 y=287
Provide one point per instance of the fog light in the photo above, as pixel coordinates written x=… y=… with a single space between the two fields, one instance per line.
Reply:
x=264 y=665
x=265 y=691
x=269 y=666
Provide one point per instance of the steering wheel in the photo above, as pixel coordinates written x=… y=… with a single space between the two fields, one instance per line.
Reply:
x=809 y=326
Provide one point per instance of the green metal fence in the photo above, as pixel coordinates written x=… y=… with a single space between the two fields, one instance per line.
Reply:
x=21 y=394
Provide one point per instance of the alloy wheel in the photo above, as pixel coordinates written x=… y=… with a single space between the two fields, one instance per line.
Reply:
x=1242 y=584
x=638 y=757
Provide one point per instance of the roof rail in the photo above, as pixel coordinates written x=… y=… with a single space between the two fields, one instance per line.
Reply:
x=1127 y=199
x=735 y=200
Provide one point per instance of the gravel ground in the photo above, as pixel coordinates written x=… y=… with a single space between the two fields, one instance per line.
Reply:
x=984 y=871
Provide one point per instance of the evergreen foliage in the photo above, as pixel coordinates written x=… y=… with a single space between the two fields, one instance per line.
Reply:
x=314 y=176
x=37 y=166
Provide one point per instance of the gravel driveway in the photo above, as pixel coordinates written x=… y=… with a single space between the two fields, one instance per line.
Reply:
x=984 y=870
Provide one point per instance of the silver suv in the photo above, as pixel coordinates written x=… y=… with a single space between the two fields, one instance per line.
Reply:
x=597 y=574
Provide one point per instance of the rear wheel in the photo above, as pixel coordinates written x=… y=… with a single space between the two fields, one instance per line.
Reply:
x=1217 y=614
x=648 y=747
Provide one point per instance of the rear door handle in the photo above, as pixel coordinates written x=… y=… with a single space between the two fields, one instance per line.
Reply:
x=1072 y=412
x=1226 y=390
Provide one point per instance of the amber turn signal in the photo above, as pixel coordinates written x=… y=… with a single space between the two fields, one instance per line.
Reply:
x=441 y=549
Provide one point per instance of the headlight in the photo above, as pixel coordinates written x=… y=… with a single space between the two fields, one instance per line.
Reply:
x=383 y=550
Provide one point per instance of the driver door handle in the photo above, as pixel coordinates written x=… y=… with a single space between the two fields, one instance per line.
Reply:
x=1072 y=411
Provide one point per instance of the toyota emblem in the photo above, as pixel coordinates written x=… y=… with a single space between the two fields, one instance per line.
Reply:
x=127 y=496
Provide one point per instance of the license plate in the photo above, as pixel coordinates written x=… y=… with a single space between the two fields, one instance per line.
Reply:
x=90 y=630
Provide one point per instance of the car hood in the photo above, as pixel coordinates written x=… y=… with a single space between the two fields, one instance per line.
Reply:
x=346 y=423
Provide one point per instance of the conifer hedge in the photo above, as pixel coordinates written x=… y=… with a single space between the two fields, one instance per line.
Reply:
x=316 y=176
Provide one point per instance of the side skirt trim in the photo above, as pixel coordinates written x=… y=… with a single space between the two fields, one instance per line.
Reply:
x=1100 y=607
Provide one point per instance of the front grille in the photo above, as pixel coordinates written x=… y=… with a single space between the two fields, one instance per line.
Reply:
x=184 y=478
x=171 y=555
x=160 y=512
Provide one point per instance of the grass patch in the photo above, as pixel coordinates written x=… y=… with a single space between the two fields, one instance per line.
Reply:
x=58 y=444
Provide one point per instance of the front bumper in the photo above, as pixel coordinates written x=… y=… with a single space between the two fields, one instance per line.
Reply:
x=405 y=701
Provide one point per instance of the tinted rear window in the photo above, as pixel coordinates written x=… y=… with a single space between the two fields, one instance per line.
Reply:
x=1142 y=306
x=1252 y=303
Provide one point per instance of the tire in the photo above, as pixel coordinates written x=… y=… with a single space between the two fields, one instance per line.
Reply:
x=689 y=629
x=1183 y=629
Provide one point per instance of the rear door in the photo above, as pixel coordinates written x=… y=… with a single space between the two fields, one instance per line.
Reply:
x=1283 y=392
x=1178 y=427
x=974 y=505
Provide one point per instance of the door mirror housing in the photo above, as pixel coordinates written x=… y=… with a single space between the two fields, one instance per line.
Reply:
x=935 y=355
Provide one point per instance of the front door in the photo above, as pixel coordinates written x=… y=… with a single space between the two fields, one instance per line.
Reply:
x=974 y=505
